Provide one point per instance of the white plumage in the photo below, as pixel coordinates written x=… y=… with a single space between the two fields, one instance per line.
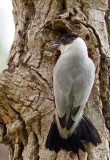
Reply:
x=73 y=79
x=74 y=75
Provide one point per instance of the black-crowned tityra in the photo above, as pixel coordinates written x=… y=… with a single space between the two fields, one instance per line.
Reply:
x=73 y=79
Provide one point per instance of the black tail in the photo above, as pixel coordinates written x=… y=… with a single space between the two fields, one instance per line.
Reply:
x=85 y=131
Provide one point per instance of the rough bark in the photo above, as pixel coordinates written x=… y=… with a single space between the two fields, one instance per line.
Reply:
x=26 y=93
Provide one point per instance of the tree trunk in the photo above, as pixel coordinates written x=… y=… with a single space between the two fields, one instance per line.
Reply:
x=26 y=93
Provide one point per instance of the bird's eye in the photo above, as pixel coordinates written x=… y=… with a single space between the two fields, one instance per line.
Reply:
x=62 y=39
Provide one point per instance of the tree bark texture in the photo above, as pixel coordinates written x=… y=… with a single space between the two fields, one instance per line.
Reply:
x=26 y=93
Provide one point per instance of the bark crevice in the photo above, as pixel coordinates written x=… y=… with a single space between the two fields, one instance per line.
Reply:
x=26 y=89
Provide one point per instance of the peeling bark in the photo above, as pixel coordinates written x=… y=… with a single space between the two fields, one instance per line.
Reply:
x=26 y=93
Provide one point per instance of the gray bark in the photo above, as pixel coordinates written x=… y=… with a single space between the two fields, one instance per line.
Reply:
x=26 y=93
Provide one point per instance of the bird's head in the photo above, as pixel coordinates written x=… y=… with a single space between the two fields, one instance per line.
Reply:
x=68 y=42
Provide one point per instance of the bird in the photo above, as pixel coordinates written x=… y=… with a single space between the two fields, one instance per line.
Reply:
x=73 y=79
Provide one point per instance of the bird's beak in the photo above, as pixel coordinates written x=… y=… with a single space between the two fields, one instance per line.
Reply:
x=53 y=47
